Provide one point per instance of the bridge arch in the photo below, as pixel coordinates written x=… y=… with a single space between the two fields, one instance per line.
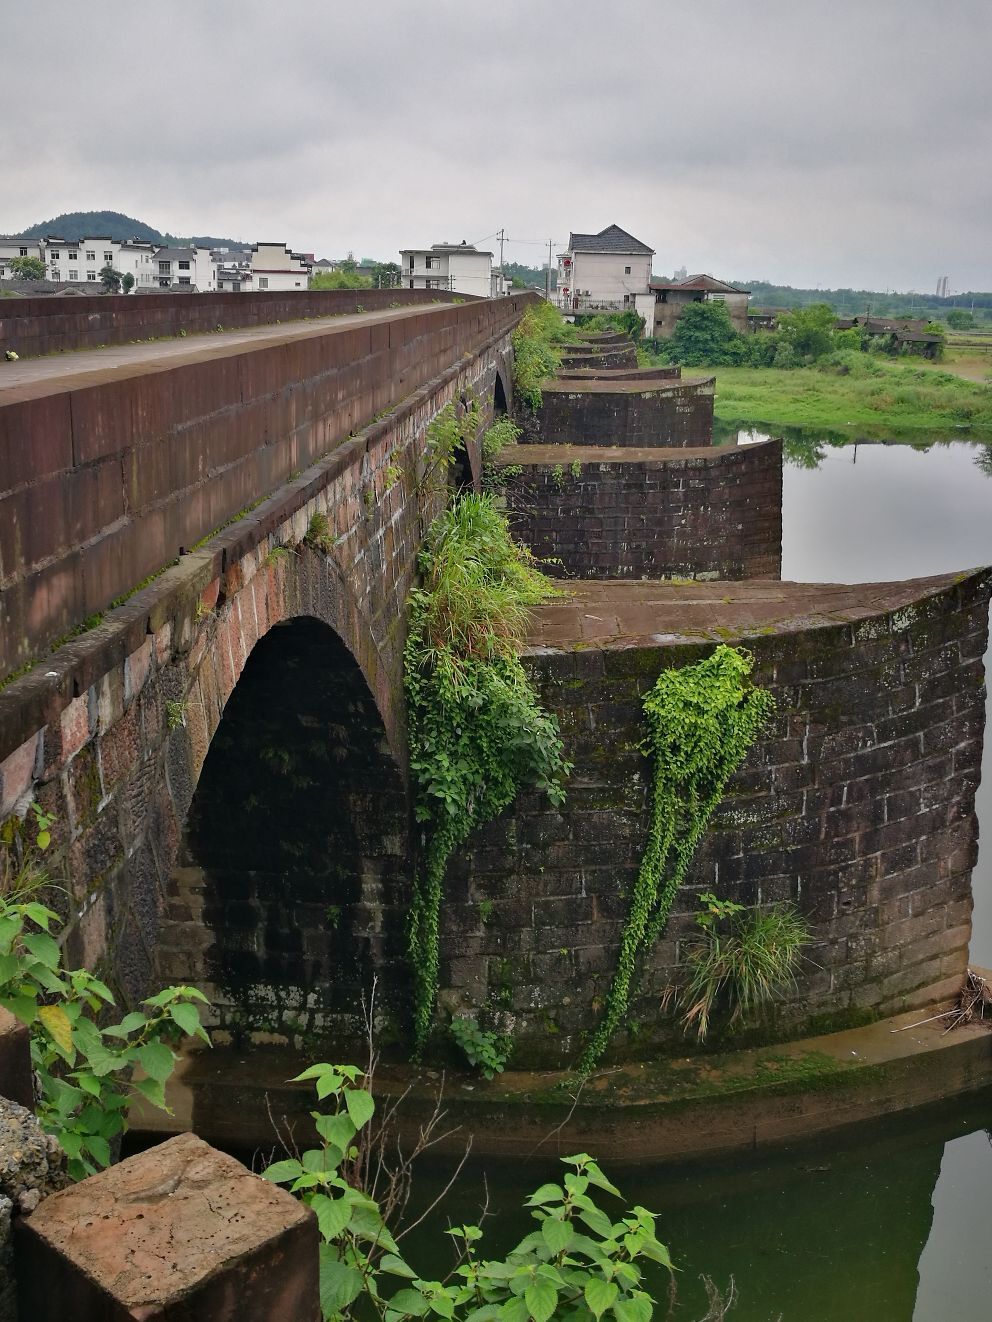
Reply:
x=297 y=834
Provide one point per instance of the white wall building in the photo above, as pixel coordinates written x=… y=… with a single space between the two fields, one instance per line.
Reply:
x=184 y=266
x=458 y=267
x=11 y=248
x=605 y=271
x=78 y=262
x=276 y=267
x=137 y=259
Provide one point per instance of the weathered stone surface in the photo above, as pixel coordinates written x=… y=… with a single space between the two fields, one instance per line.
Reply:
x=605 y=411
x=180 y=1233
x=16 y=1078
x=857 y=804
x=620 y=512
x=32 y=1165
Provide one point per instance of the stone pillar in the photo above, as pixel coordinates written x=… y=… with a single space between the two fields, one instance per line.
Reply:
x=180 y=1233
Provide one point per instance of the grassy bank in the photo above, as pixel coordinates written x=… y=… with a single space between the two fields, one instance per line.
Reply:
x=871 y=393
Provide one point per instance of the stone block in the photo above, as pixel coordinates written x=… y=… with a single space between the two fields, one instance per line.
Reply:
x=180 y=1233
x=16 y=1081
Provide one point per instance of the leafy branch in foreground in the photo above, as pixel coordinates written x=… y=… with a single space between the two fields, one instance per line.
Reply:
x=477 y=731
x=702 y=719
x=579 y=1263
x=84 y=1070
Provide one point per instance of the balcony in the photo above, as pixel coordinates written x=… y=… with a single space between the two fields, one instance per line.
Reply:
x=586 y=303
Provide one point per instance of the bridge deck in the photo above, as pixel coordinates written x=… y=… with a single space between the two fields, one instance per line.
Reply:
x=30 y=377
x=615 y=614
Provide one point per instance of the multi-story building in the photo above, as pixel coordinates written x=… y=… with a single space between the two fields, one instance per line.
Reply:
x=608 y=271
x=137 y=259
x=78 y=261
x=460 y=268
x=11 y=248
x=276 y=267
x=184 y=267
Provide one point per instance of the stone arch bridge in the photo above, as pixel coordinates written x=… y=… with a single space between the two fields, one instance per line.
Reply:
x=205 y=695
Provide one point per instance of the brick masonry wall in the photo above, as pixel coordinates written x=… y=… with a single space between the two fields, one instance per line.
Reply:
x=596 y=415
x=613 y=356
x=649 y=514
x=104 y=484
x=110 y=735
x=51 y=324
x=857 y=804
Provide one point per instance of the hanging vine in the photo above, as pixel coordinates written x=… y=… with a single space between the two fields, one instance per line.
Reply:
x=702 y=719
x=477 y=732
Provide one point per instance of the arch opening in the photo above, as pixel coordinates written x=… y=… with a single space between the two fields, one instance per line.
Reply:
x=500 y=405
x=300 y=828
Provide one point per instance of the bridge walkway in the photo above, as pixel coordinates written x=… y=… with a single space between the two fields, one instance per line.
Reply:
x=31 y=377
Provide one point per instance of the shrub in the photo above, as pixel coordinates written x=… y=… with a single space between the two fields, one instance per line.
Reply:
x=744 y=958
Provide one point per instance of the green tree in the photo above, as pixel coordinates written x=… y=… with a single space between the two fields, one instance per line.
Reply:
x=808 y=331
x=127 y=282
x=385 y=275
x=28 y=268
x=704 y=336
x=110 y=279
x=958 y=319
x=340 y=280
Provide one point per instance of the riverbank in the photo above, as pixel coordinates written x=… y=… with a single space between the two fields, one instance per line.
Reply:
x=876 y=393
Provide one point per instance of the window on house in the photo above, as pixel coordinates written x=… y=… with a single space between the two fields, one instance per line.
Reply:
x=184 y=266
x=626 y=270
x=411 y=265
x=91 y=256
x=184 y=279
x=73 y=275
x=24 y=252
x=263 y=282
x=164 y=268
x=91 y=275
x=108 y=256
x=74 y=257
x=55 y=255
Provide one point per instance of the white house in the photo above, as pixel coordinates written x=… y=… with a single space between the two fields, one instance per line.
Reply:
x=137 y=259
x=460 y=268
x=78 y=261
x=11 y=248
x=184 y=266
x=276 y=267
x=607 y=271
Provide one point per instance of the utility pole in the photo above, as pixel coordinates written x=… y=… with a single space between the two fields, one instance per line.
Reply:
x=501 y=236
x=547 y=280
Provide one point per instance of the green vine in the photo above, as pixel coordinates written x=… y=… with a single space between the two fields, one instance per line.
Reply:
x=536 y=355
x=477 y=732
x=702 y=719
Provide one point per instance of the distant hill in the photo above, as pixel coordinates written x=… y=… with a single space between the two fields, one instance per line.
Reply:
x=115 y=225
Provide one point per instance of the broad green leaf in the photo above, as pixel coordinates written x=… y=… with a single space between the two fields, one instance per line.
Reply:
x=332 y=1214
x=21 y=1007
x=541 y=1298
x=557 y=1234
x=156 y=1060
x=636 y=1308
x=340 y=1284
x=410 y=1302
x=9 y=967
x=188 y=1018
x=99 y=1149
x=281 y=1171
x=597 y=1221
x=88 y=1082
x=515 y=1310
x=599 y=1295
x=136 y=1019
x=338 y=1130
x=597 y=1178
x=40 y=914
x=44 y=948
x=153 y=1090
x=56 y=1023
x=360 y=1106
x=657 y=1252
x=548 y=1193
x=395 y=1266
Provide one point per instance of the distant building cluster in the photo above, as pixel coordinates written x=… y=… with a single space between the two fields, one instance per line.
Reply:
x=77 y=265
x=460 y=268
x=611 y=272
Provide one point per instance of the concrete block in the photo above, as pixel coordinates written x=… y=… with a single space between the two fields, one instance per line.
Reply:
x=180 y=1233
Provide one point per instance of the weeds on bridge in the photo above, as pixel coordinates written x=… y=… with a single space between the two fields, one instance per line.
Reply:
x=477 y=731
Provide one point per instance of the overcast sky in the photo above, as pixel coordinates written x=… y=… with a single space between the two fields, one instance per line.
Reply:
x=809 y=142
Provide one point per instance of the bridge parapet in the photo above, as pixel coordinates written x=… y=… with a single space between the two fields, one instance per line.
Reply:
x=109 y=475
